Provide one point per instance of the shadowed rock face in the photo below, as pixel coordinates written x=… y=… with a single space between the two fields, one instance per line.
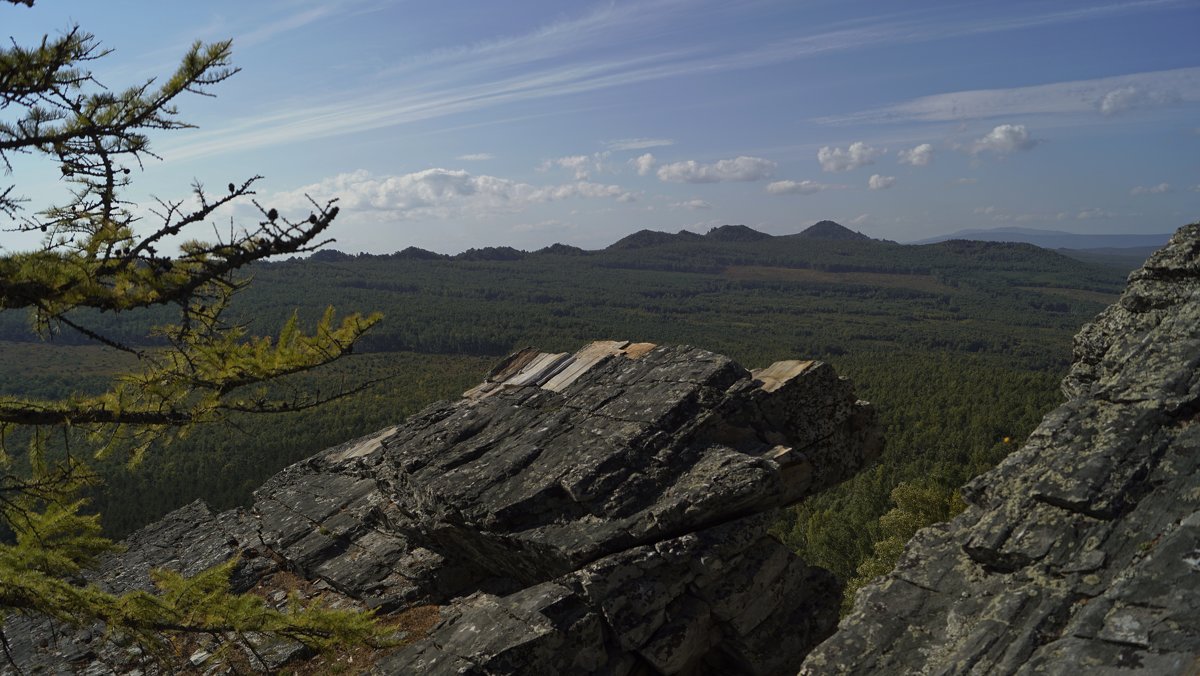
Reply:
x=1080 y=553
x=602 y=512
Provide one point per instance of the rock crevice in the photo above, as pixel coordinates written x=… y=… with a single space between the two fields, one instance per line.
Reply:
x=1080 y=551
x=599 y=512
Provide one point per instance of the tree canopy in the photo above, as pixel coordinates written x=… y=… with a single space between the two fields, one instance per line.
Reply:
x=98 y=256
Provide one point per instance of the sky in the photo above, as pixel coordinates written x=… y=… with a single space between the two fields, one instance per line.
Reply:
x=457 y=124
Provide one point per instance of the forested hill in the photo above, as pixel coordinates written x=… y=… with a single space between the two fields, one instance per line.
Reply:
x=825 y=246
x=697 y=289
x=797 y=295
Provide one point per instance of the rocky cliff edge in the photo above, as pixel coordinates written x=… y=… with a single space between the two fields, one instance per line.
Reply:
x=602 y=512
x=1080 y=553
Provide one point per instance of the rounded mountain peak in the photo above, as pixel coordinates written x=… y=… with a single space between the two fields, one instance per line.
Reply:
x=831 y=230
x=735 y=233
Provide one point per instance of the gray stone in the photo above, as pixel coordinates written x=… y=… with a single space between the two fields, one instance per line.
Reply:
x=604 y=512
x=1079 y=552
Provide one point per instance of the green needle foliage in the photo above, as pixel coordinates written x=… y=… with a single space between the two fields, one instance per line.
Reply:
x=41 y=573
x=918 y=504
x=96 y=257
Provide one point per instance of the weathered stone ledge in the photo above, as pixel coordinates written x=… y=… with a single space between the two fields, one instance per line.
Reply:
x=598 y=512
x=1080 y=553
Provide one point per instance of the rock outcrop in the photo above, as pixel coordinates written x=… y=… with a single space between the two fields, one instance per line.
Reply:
x=602 y=512
x=1080 y=553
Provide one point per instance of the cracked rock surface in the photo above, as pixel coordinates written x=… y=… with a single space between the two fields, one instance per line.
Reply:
x=604 y=512
x=1080 y=553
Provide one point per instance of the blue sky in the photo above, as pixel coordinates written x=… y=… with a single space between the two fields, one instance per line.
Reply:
x=457 y=124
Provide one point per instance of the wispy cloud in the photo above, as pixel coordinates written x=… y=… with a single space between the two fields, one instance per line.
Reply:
x=283 y=24
x=1160 y=189
x=550 y=225
x=637 y=143
x=476 y=157
x=575 y=55
x=275 y=19
x=694 y=205
x=1129 y=97
x=1107 y=96
x=1003 y=216
x=1094 y=213
x=804 y=187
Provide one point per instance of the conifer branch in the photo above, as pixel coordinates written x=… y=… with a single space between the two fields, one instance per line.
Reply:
x=97 y=255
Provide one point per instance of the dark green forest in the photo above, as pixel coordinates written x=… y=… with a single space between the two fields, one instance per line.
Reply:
x=959 y=344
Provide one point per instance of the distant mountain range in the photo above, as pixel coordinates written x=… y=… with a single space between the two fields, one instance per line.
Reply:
x=1122 y=251
x=1055 y=239
x=732 y=233
x=642 y=239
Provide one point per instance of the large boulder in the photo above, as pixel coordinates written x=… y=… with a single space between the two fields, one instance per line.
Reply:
x=1080 y=553
x=601 y=512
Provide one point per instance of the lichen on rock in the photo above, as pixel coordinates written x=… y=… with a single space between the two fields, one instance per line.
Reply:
x=1079 y=553
x=598 y=512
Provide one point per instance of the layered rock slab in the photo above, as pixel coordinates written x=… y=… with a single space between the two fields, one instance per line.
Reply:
x=1081 y=551
x=598 y=512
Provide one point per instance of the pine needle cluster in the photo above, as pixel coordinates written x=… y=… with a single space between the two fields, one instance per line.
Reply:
x=97 y=256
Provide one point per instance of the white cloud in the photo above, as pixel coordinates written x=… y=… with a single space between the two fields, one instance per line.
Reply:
x=859 y=154
x=1076 y=97
x=637 y=143
x=1159 y=189
x=740 y=168
x=921 y=156
x=860 y=219
x=1131 y=97
x=1089 y=214
x=581 y=166
x=584 y=189
x=277 y=25
x=797 y=187
x=476 y=157
x=877 y=182
x=643 y=163
x=441 y=193
x=695 y=205
x=1004 y=139
x=573 y=55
